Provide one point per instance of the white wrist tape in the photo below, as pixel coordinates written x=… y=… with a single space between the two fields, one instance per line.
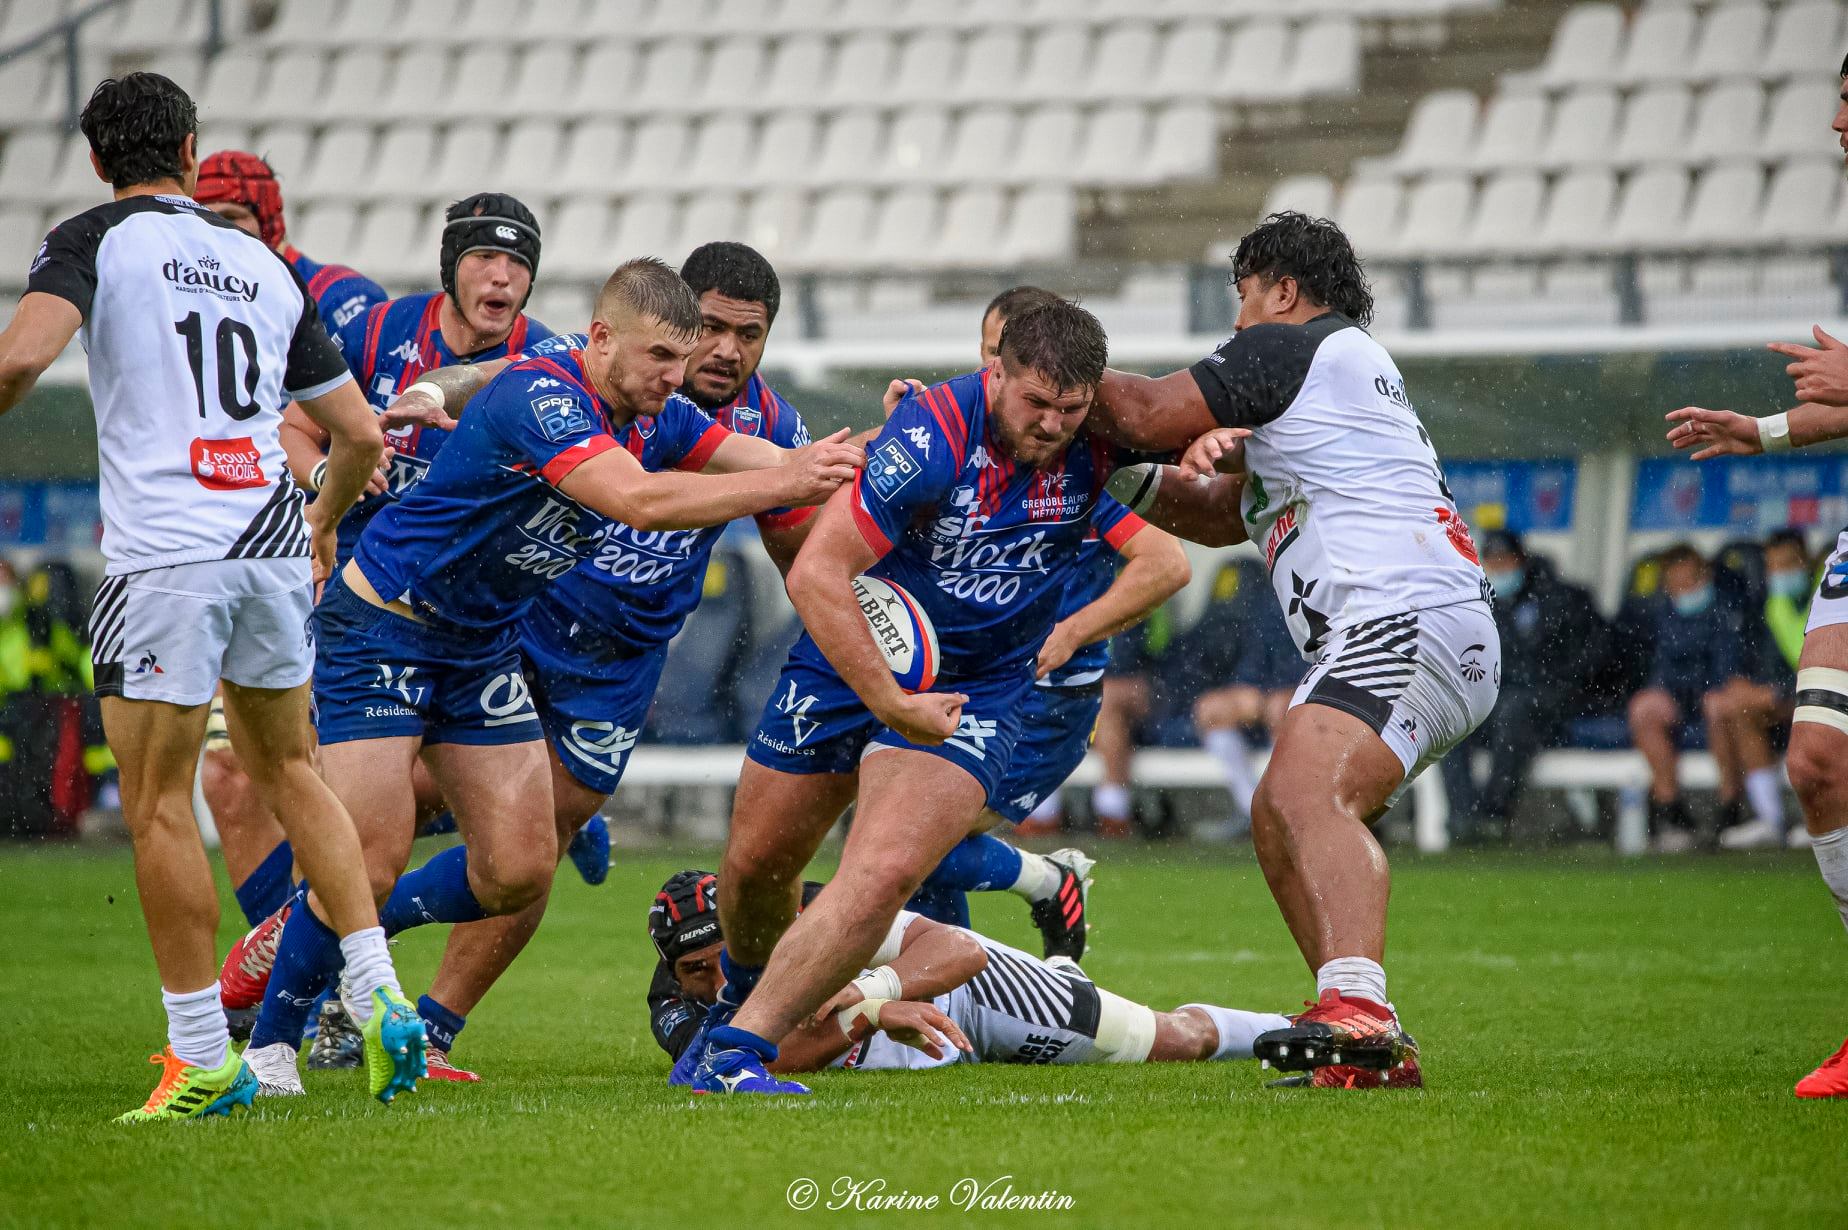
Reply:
x=866 y=1009
x=431 y=390
x=1774 y=433
x=882 y=983
x=318 y=475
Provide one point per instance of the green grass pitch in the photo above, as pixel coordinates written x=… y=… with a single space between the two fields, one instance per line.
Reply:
x=1605 y=1043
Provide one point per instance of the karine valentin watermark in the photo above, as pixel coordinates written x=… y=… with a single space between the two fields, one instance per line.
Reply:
x=965 y=1195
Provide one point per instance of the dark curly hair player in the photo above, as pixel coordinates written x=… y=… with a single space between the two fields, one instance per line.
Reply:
x=1303 y=424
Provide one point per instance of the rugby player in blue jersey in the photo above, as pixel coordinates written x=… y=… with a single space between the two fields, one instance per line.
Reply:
x=976 y=497
x=419 y=634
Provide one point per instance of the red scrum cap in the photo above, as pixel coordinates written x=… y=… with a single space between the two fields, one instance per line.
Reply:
x=233 y=175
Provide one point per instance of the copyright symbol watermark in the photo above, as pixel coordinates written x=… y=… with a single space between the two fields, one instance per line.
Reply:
x=802 y=1194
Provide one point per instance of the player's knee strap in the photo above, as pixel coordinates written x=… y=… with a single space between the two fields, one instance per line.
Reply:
x=1125 y=1029
x=1822 y=697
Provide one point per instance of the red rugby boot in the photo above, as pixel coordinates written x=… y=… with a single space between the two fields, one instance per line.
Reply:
x=442 y=1070
x=1338 y=1032
x=1828 y=1081
x=246 y=972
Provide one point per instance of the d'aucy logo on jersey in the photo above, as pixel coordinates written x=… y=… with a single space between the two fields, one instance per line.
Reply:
x=204 y=276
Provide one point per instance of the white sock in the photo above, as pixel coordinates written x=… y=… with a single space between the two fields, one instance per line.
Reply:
x=1039 y=877
x=1233 y=752
x=368 y=967
x=1353 y=976
x=196 y=1026
x=1048 y=810
x=1238 y=1030
x=1832 y=857
x=1110 y=801
x=1764 y=790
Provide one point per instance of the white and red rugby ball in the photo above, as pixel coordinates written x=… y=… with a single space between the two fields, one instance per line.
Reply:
x=902 y=631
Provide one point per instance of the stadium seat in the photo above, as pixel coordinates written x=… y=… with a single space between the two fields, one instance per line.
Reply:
x=1800 y=203
x=1731 y=43
x=1048 y=142
x=982 y=147
x=285 y=147
x=927 y=63
x=1185 y=144
x=1188 y=62
x=1727 y=123
x=1437 y=211
x=365 y=23
x=1660 y=46
x=677 y=17
x=1584 y=124
x=1798 y=30
x=796 y=68
x=1650 y=210
x=1725 y=205
x=1440 y=134
x=21 y=232
x=753 y=17
x=806 y=16
x=1123 y=63
x=774 y=222
x=387 y=246
x=708 y=216
x=1115 y=147
x=721 y=151
x=837 y=231
x=306 y=23
x=427 y=85
x=1585 y=48
x=736 y=66
x=669 y=82
x=849 y=148
x=1042 y=227
x=991 y=66
x=27 y=162
x=431 y=23
x=905 y=230
x=280 y=88
x=973 y=221
x=146 y=25
x=486 y=21
x=544 y=81
x=1369 y=211
x=1798 y=121
x=785 y=146
x=1513 y=132
x=1655 y=125
x=402 y=165
x=647 y=226
x=340 y=165
x=1257 y=61
x=327 y=231
x=657 y=154
x=1058 y=63
x=31 y=91
x=470 y=156
x=577 y=240
x=532 y=159
x=861 y=69
x=1507 y=216
x=594 y=157
x=1308 y=194
x=355 y=82
x=913 y=148
x=1327 y=59
x=613 y=19
x=1578 y=210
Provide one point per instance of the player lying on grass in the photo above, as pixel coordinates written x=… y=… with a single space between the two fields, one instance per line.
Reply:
x=936 y=994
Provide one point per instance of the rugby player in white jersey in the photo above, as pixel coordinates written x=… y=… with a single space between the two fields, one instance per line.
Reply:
x=198 y=334
x=937 y=994
x=1817 y=761
x=1380 y=587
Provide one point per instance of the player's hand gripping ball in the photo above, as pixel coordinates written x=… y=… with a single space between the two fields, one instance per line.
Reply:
x=902 y=631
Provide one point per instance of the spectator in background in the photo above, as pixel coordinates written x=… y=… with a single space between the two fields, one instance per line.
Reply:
x=1129 y=700
x=1789 y=583
x=1241 y=639
x=1553 y=644
x=1702 y=653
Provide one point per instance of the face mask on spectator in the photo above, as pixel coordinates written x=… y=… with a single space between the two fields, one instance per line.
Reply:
x=1506 y=582
x=1792 y=585
x=1695 y=600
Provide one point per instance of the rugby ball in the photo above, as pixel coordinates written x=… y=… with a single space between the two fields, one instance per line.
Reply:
x=902 y=631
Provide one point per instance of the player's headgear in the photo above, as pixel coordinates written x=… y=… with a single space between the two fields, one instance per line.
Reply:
x=492 y=222
x=233 y=175
x=685 y=914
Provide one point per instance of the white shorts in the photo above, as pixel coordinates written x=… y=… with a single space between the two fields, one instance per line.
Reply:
x=1422 y=680
x=171 y=634
x=1830 y=605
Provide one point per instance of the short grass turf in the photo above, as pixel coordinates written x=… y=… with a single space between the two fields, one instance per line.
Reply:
x=1606 y=1043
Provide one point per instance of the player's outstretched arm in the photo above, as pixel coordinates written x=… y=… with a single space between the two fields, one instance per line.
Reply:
x=615 y=484
x=1820 y=371
x=1155 y=568
x=820 y=585
x=1723 y=433
x=354 y=446
x=40 y=329
x=1151 y=414
x=437 y=397
x=1200 y=509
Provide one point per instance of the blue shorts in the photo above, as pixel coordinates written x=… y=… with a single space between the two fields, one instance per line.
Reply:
x=814 y=723
x=378 y=675
x=592 y=694
x=1055 y=731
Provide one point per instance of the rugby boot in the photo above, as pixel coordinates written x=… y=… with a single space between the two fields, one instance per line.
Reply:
x=1062 y=919
x=187 y=1091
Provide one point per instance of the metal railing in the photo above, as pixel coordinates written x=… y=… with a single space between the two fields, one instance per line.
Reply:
x=67 y=32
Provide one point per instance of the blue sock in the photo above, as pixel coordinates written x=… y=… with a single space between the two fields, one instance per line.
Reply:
x=436 y=892
x=940 y=904
x=440 y=1023
x=728 y=1037
x=266 y=888
x=739 y=980
x=442 y=822
x=307 y=959
x=977 y=864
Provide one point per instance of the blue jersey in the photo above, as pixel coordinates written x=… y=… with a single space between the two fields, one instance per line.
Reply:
x=342 y=295
x=1096 y=570
x=400 y=341
x=641 y=585
x=988 y=546
x=487 y=529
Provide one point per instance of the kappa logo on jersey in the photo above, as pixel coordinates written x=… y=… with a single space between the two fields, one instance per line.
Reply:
x=205 y=277
x=227 y=465
x=1027 y=801
x=561 y=416
x=981 y=459
x=406 y=350
x=544 y=382
x=920 y=436
x=602 y=745
x=890 y=467
x=972 y=736
x=797 y=708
